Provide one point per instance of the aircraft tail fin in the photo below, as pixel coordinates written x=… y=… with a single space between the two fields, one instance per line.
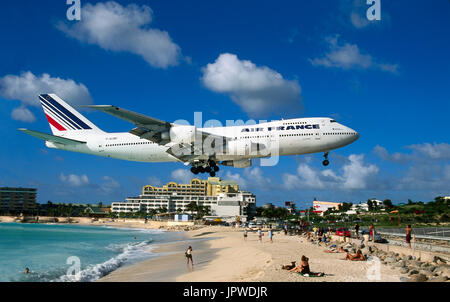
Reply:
x=62 y=117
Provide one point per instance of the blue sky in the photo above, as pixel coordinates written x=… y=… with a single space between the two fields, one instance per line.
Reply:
x=387 y=79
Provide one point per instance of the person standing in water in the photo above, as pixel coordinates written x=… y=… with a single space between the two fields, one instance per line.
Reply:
x=245 y=234
x=188 y=254
x=270 y=236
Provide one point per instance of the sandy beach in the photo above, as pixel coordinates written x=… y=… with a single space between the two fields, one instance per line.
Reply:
x=220 y=254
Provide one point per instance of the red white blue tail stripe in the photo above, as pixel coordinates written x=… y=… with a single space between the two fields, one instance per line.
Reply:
x=59 y=116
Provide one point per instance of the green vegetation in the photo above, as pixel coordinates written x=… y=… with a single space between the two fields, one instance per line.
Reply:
x=433 y=213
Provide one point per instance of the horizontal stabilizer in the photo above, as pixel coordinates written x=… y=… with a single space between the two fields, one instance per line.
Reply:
x=51 y=138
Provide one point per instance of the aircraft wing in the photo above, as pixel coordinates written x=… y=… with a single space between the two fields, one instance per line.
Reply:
x=51 y=138
x=152 y=129
x=147 y=127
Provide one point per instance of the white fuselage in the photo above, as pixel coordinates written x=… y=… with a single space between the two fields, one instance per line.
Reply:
x=291 y=137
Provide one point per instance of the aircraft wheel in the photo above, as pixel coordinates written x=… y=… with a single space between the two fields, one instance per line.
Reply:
x=194 y=170
x=212 y=173
x=325 y=162
x=201 y=169
x=216 y=169
x=208 y=169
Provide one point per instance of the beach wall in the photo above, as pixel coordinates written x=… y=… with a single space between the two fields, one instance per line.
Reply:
x=402 y=251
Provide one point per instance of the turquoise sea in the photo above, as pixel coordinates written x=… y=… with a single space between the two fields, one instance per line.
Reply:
x=54 y=252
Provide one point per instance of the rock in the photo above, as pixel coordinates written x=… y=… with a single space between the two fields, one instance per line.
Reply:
x=413 y=272
x=439 y=279
x=410 y=257
x=426 y=273
x=404 y=279
x=418 y=278
x=390 y=260
x=439 y=260
x=443 y=269
x=404 y=270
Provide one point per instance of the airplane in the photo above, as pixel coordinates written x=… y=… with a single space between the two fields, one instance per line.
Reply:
x=204 y=149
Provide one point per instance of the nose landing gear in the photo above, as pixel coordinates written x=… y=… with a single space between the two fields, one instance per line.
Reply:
x=326 y=161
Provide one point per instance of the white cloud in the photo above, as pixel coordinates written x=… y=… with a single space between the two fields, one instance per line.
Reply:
x=118 y=28
x=256 y=178
x=358 y=20
x=394 y=157
x=109 y=185
x=309 y=177
x=26 y=87
x=242 y=182
x=257 y=90
x=432 y=151
x=355 y=174
x=425 y=152
x=348 y=56
x=154 y=181
x=23 y=114
x=182 y=175
x=75 y=180
x=427 y=166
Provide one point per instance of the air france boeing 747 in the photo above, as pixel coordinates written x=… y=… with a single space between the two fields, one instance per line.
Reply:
x=153 y=140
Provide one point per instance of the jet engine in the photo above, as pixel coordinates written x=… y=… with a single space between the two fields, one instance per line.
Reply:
x=180 y=134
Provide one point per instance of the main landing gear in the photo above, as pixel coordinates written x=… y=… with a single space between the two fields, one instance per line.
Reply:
x=325 y=162
x=210 y=167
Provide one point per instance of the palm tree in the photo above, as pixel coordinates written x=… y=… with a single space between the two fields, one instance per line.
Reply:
x=192 y=207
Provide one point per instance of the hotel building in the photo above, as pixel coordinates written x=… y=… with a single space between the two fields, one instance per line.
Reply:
x=321 y=206
x=17 y=200
x=221 y=196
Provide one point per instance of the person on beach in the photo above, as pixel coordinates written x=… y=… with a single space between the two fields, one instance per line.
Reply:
x=270 y=236
x=408 y=235
x=357 y=230
x=371 y=229
x=357 y=257
x=27 y=271
x=333 y=250
x=245 y=234
x=303 y=267
x=259 y=234
x=288 y=266
x=188 y=254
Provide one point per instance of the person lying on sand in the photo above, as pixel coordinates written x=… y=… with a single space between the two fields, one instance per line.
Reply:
x=303 y=268
x=357 y=257
x=333 y=250
x=288 y=266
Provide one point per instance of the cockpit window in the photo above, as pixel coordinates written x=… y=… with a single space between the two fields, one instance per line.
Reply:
x=332 y=121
